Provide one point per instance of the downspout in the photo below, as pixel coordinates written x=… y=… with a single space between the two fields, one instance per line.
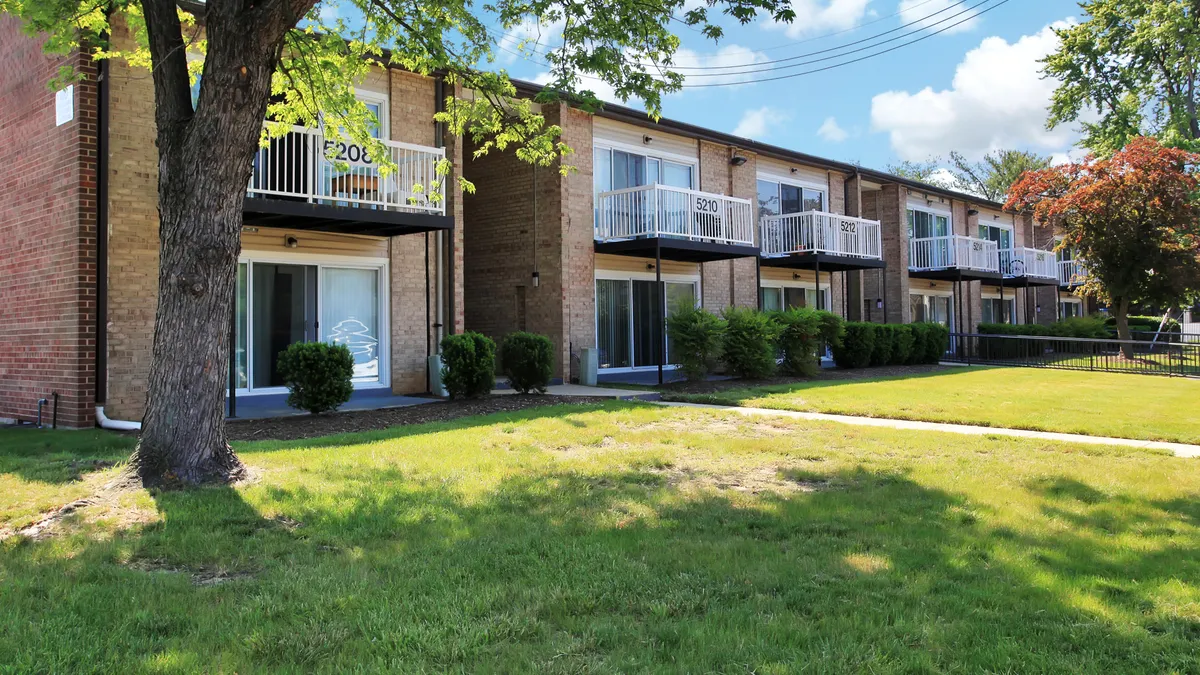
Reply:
x=439 y=92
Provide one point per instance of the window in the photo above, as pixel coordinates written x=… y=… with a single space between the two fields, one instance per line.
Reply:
x=1003 y=236
x=925 y=224
x=628 y=319
x=996 y=310
x=1068 y=309
x=776 y=198
x=935 y=308
x=791 y=297
x=618 y=169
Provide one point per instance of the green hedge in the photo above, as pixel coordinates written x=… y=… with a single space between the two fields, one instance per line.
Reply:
x=801 y=337
x=937 y=341
x=468 y=365
x=528 y=361
x=881 y=352
x=902 y=343
x=696 y=337
x=1081 y=327
x=856 y=346
x=317 y=375
x=749 y=347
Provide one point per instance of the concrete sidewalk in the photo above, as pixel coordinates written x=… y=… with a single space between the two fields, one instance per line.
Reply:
x=1179 y=449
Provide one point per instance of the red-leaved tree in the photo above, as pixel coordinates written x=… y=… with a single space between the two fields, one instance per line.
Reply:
x=1133 y=218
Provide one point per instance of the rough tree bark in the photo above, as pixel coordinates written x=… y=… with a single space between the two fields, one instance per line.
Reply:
x=204 y=166
x=1122 y=321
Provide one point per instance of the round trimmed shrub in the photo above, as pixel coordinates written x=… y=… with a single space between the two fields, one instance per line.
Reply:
x=831 y=328
x=317 y=375
x=468 y=365
x=856 y=346
x=937 y=343
x=800 y=340
x=695 y=336
x=749 y=345
x=527 y=359
x=920 y=334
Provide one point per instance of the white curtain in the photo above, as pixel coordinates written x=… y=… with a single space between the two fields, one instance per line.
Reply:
x=350 y=316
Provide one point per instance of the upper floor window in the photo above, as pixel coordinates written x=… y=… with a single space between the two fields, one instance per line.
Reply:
x=778 y=198
x=614 y=169
x=1003 y=236
x=925 y=224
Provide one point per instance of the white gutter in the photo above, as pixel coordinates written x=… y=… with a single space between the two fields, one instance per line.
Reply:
x=117 y=425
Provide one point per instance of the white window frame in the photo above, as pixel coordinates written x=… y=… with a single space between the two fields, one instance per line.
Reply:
x=781 y=284
x=937 y=292
x=793 y=182
x=1070 y=301
x=617 y=275
x=1012 y=231
x=320 y=261
x=659 y=155
x=1012 y=308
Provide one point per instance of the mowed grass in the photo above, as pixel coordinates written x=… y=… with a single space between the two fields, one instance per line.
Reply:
x=1118 y=405
x=617 y=538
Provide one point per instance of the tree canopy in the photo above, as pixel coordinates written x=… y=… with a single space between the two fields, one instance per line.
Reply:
x=1129 y=69
x=1133 y=218
x=992 y=176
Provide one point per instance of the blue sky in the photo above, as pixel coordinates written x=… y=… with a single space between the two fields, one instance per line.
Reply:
x=972 y=89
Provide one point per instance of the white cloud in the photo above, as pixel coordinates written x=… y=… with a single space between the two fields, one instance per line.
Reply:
x=816 y=16
x=831 y=132
x=998 y=99
x=758 y=124
x=938 y=15
x=528 y=38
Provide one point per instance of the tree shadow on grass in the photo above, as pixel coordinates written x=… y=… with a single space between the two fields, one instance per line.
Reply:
x=615 y=571
x=56 y=457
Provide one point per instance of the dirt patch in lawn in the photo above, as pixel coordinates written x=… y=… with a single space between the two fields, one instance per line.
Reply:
x=826 y=374
x=199 y=574
x=311 y=426
x=752 y=480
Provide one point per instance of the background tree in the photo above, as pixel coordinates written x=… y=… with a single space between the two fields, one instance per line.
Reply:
x=282 y=58
x=992 y=176
x=1133 y=218
x=1134 y=63
x=928 y=171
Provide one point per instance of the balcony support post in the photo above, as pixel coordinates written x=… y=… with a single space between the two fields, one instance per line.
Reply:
x=1011 y=319
x=758 y=280
x=662 y=308
x=820 y=298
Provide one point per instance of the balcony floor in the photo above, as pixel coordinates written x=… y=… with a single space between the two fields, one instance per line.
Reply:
x=302 y=215
x=954 y=274
x=828 y=262
x=1021 y=282
x=679 y=250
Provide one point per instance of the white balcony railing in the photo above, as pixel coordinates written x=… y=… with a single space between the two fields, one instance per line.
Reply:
x=1071 y=272
x=1027 y=262
x=303 y=164
x=953 y=251
x=820 y=232
x=664 y=211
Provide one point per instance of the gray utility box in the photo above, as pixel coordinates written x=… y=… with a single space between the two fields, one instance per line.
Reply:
x=588 y=359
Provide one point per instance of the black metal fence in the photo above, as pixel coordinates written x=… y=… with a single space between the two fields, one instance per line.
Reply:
x=1171 y=356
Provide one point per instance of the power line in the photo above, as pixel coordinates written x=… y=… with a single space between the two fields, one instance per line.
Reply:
x=846 y=63
x=754 y=70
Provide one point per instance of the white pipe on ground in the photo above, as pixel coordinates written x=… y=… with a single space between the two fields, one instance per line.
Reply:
x=117 y=425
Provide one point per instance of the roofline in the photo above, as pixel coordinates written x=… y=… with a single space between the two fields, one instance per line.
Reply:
x=641 y=118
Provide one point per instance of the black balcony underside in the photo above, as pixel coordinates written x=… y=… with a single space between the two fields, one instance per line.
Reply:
x=1021 y=282
x=679 y=250
x=301 y=215
x=828 y=262
x=954 y=274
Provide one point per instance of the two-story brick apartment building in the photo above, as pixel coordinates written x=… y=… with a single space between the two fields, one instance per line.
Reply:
x=655 y=214
x=341 y=254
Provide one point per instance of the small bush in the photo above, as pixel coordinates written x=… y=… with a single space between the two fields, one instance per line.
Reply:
x=749 y=345
x=831 y=328
x=695 y=341
x=936 y=343
x=528 y=361
x=1143 y=323
x=801 y=339
x=902 y=344
x=857 y=343
x=1081 y=327
x=920 y=334
x=317 y=375
x=881 y=352
x=468 y=365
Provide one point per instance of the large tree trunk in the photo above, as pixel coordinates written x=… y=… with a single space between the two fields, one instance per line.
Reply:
x=1122 y=321
x=204 y=166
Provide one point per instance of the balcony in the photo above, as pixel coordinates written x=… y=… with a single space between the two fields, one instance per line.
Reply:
x=307 y=181
x=674 y=223
x=1071 y=273
x=954 y=257
x=816 y=239
x=1028 y=265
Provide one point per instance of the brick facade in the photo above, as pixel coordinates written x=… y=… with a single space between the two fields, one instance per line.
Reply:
x=47 y=235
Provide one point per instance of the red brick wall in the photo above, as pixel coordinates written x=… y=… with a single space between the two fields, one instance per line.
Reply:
x=47 y=236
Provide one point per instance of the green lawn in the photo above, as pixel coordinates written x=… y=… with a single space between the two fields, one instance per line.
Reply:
x=1099 y=404
x=615 y=538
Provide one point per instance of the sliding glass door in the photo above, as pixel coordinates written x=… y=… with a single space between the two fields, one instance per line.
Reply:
x=281 y=303
x=629 y=317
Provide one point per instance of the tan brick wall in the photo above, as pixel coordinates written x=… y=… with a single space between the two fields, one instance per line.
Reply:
x=133 y=241
x=578 y=244
x=890 y=206
x=48 y=219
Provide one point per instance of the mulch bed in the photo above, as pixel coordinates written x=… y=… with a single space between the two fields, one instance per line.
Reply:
x=714 y=386
x=298 y=427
